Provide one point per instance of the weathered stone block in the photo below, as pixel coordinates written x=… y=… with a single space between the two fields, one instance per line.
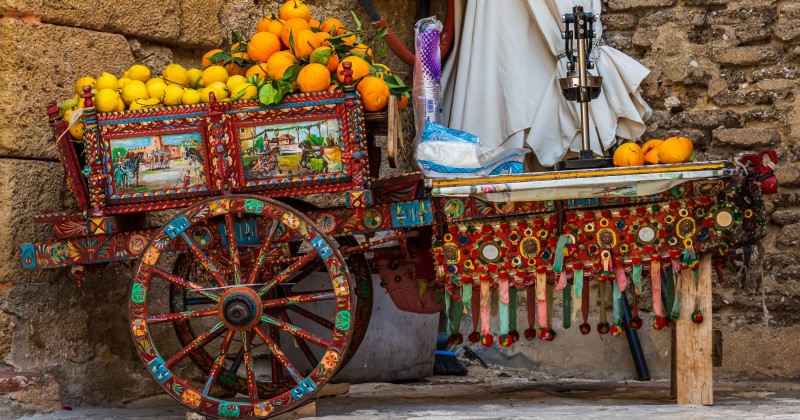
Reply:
x=787 y=31
x=707 y=118
x=618 y=21
x=783 y=217
x=6 y=331
x=747 y=56
x=199 y=25
x=684 y=17
x=787 y=176
x=615 y=5
x=27 y=393
x=751 y=15
x=790 y=10
x=768 y=114
x=42 y=62
x=758 y=97
x=776 y=72
x=789 y=237
x=747 y=137
x=28 y=189
x=706 y=2
x=619 y=40
x=158 y=20
x=752 y=34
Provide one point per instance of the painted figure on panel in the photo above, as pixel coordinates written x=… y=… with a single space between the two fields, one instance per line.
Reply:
x=159 y=162
x=292 y=149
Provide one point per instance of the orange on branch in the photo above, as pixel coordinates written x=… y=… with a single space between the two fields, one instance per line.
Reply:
x=374 y=93
x=279 y=62
x=323 y=38
x=206 y=58
x=314 y=78
x=313 y=23
x=293 y=27
x=362 y=50
x=675 y=150
x=628 y=154
x=360 y=68
x=305 y=42
x=295 y=9
x=259 y=69
x=402 y=103
x=335 y=24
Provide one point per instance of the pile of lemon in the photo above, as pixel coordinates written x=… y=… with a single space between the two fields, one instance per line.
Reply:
x=292 y=41
x=654 y=152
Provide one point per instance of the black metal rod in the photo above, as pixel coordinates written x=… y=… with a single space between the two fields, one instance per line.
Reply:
x=642 y=373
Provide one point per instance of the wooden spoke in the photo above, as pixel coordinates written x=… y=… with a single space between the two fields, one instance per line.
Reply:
x=204 y=260
x=294 y=300
x=278 y=354
x=198 y=301
x=262 y=253
x=276 y=367
x=312 y=316
x=312 y=359
x=283 y=275
x=252 y=385
x=237 y=361
x=181 y=316
x=182 y=282
x=306 y=271
x=217 y=366
x=296 y=331
x=233 y=247
x=196 y=344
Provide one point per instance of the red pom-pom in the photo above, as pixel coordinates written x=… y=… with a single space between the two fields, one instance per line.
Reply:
x=505 y=340
x=697 y=317
x=606 y=214
x=603 y=327
x=615 y=330
x=659 y=323
x=486 y=229
x=487 y=340
x=455 y=339
x=585 y=328
x=453 y=229
x=474 y=337
x=514 y=336
x=636 y=323
x=505 y=227
x=529 y=333
x=588 y=215
x=641 y=211
x=624 y=213
x=546 y=334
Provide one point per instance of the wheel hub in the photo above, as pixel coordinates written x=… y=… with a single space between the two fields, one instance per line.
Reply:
x=240 y=308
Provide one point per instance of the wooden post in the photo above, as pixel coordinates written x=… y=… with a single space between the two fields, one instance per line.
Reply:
x=693 y=342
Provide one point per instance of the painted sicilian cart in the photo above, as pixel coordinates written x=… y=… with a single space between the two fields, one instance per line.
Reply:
x=249 y=299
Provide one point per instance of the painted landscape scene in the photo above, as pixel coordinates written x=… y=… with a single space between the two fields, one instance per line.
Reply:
x=153 y=163
x=292 y=149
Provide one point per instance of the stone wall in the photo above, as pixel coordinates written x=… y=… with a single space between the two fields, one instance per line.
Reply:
x=724 y=74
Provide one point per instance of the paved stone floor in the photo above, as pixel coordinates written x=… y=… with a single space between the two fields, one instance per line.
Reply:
x=511 y=397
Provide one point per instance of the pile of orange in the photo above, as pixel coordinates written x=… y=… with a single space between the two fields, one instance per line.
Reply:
x=654 y=152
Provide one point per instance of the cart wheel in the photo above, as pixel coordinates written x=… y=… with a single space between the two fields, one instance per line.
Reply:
x=240 y=301
x=189 y=268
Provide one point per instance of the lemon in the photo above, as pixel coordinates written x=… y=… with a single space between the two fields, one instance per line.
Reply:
x=172 y=95
x=235 y=81
x=120 y=104
x=136 y=89
x=106 y=100
x=155 y=88
x=138 y=72
x=145 y=103
x=175 y=73
x=190 y=97
x=250 y=91
x=77 y=129
x=107 y=81
x=203 y=92
x=213 y=74
x=122 y=82
x=84 y=81
x=220 y=90
x=195 y=77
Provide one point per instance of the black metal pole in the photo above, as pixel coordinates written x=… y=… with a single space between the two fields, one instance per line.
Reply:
x=642 y=373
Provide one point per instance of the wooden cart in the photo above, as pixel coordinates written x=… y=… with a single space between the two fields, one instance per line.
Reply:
x=249 y=299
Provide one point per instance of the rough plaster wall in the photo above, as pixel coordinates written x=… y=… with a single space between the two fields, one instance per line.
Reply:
x=724 y=73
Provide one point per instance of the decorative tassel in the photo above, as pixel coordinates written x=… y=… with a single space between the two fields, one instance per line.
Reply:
x=466 y=296
x=619 y=273
x=486 y=337
x=691 y=261
x=455 y=337
x=475 y=303
x=585 y=327
x=567 y=303
x=530 y=332
x=655 y=281
x=617 y=305
x=674 y=301
x=602 y=326
x=512 y=314
x=542 y=305
x=636 y=274
x=504 y=338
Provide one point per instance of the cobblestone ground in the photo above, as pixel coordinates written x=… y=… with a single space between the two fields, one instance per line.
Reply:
x=509 y=397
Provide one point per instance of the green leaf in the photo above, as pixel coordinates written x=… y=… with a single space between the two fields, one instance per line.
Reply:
x=239 y=95
x=382 y=32
x=290 y=75
x=283 y=88
x=268 y=95
x=355 y=19
x=236 y=37
x=291 y=41
x=220 y=56
x=320 y=56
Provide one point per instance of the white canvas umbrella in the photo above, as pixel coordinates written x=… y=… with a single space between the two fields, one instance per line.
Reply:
x=501 y=82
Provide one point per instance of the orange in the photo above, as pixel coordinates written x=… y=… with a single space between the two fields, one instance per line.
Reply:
x=332 y=23
x=374 y=93
x=675 y=150
x=314 y=78
x=294 y=9
x=381 y=69
x=272 y=25
x=360 y=68
x=323 y=38
x=305 y=42
x=314 y=23
x=278 y=63
x=259 y=69
x=293 y=26
x=234 y=68
x=629 y=154
x=402 y=103
x=362 y=50
x=349 y=39
x=262 y=45
x=333 y=87
x=651 y=157
x=650 y=145
x=206 y=62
